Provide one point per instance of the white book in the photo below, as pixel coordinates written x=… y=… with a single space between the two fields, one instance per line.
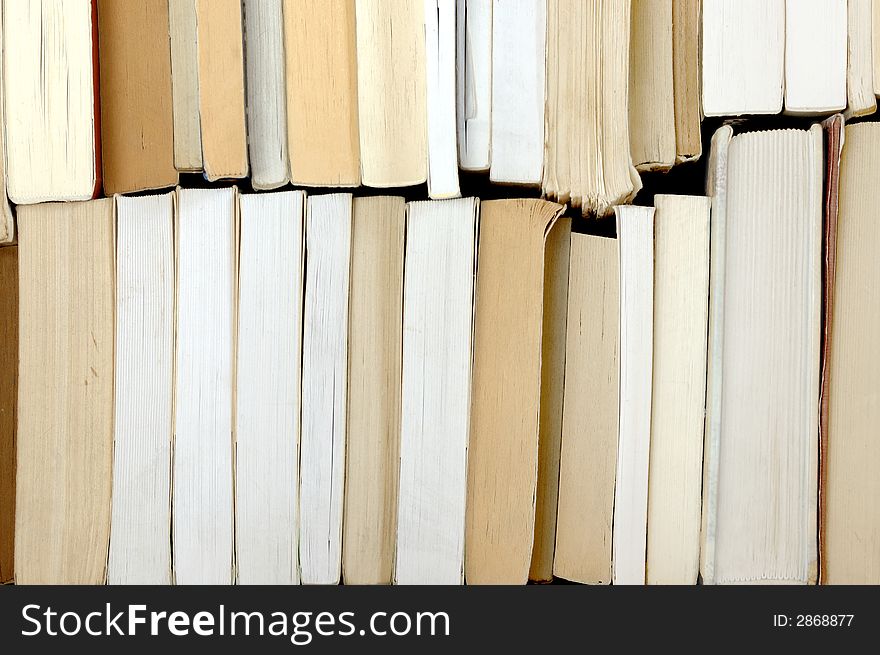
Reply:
x=266 y=95
x=860 y=98
x=815 y=56
x=49 y=96
x=635 y=233
x=438 y=299
x=140 y=547
x=324 y=388
x=518 y=57
x=743 y=56
x=678 y=399
x=270 y=292
x=185 y=85
x=202 y=473
x=440 y=95
x=474 y=76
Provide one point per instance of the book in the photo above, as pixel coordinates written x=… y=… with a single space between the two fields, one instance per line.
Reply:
x=438 y=297
x=7 y=220
x=221 y=89
x=136 y=114
x=743 y=56
x=678 y=399
x=266 y=95
x=815 y=56
x=267 y=386
x=850 y=520
x=64 y=441
x=202 y=487
x=473 y=70
x=324 y=387
x=519 y=30
x=506 y=397
x=8 y=406
x=587 y=161
x=588 y=455
x=686 y=71
x=557 y=251
x=375 y=341
x=440 y=98
x=391 y=96
x=322 y=92
x=651 y=89
x=49 y=93
x=760 y=473
x=635 y=234
x=860 y=98
x=140 y=541
x=183 y=36
x=875 y=44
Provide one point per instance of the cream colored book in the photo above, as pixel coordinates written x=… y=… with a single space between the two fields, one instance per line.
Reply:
x=266 y=94
x=587 y=158
x=473 y=70
x=8 y=404
x=222 y=89
x=588 y=456
x=635 y=234
x=875 y=44
x=322 y=92
x=860 y=98
x=678 y=401
x=815 y=56
x=438 y=297
x=440 y=97
x=140 y=541
x=506 y=397
x=267 y=384
x=761 y=443
x=743 y=56
x=65 y=386
x=556 y=267
x=324 y=387
x=651 y=88
x=375 y=337
x=185 y=85
x=851 y=515
x=202 y=472
x=686 y=73
x=391 y=100
x=52 y=148
x=519 y=30
x=7 y=220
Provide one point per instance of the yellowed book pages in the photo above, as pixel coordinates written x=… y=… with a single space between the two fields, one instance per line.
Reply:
x=686 y=54
x=678 y=402
x=875 y=43
x=7 y=221
x=651 y=95
x=322 y=92
x=506 y=395
x=221 y=89
x=375 y=315
x=588 y=459
x=556 y=258
x=851 y=516
x=860 y=84
x=185 y=84
x=136 y=114
x=65 y=412
x=391 y=92
x=8 y=402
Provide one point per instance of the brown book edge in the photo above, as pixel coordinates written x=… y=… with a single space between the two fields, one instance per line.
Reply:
x=833 y=128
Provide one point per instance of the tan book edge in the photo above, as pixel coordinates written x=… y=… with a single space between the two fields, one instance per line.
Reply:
x=7 y=220
x=686 y=55
x=8 y=402
x=505 y=401
x=65 y=410
x=136 y=106
x=588 y=459
x=374 y=390
x=185 y=85
x=556 y=260
x=221 y=89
